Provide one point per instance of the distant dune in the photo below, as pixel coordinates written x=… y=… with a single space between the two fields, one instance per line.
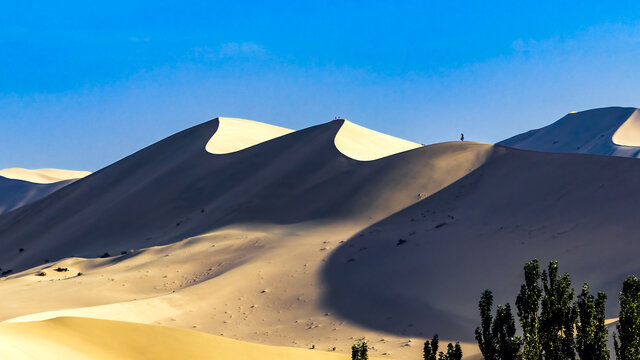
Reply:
x=607 y=131
x=42 y=176
x=19 y=187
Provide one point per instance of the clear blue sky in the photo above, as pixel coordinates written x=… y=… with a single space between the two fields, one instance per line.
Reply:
x=83 y=84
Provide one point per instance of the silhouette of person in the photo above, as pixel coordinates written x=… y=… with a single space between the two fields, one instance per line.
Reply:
x=461 y=137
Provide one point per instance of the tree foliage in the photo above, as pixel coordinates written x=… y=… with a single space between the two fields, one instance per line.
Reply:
x=431 y=348
x=497 y=337
x=627 y=340
x=591 y=333
x=528 y=303
x=453 y=352
x=360 y=351
x=504 y=331
x=558 y=315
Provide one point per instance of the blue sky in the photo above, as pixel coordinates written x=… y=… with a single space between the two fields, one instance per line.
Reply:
x=83 y=84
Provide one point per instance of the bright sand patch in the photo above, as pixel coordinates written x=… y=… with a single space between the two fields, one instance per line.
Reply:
x=628 y=133
x=236 y=134
x=42 y=176
x=84 y=338
x=360 y=143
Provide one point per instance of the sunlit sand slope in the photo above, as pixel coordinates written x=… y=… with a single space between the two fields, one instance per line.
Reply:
x=607 y=131
x=236 y=134
x=364 y=144
x=42 y=176
x=83 y=338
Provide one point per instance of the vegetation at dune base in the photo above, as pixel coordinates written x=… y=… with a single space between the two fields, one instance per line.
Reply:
x=556 y=324
x=360 y=351
x=454 y=352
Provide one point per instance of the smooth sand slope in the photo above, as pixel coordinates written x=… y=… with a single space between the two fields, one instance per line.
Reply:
x=42 y=176
x=235 y=134
x=360 y=143
x=606 y=131
x=229 y=244
x=17 y=193
x=82 y=338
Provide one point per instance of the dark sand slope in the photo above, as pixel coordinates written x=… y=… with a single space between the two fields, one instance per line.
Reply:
x=16 y=193
x=477 y=234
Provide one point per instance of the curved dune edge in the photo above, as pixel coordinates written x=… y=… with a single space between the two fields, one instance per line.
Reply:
x=42 y=176
x=237 y=134
x=85 y=338
x=360 y=143
x=628 y=134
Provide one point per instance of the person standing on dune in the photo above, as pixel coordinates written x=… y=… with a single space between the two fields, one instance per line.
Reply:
x=461 y=137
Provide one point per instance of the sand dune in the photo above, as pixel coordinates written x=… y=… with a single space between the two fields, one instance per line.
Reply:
x=81 y=338
x=210 y=235
x=236 y=134
x=317 y=237
x=17 y=193
x=607 y=131
x=42 y=176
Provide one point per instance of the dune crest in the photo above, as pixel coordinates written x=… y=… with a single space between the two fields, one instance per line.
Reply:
x=628 y=134
x=42 y=176
x=360 y=143
x=236 y=134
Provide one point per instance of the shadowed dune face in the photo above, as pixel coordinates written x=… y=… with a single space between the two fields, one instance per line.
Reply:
x=176 y=189
x=478 y=232
x=606 y=131
x=17 y=193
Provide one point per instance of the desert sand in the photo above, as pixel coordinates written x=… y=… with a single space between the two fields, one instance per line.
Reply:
x=235 y=134
x=312 y=238
x=42 y=176
x=81 y=338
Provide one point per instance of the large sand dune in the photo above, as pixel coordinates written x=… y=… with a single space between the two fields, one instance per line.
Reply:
x=230 y=243
x=313 y=238
x=606 y=131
